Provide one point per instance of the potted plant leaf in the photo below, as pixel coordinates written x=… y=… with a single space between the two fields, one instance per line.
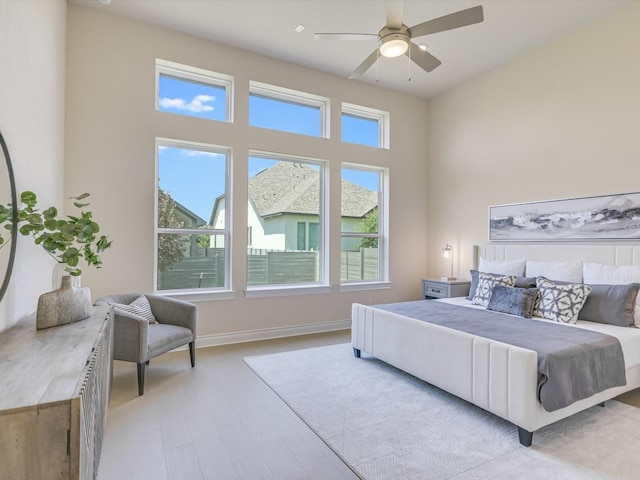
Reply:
x=68 y=240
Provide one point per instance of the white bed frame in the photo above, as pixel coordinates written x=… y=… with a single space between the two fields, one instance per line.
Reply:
x=495 y=376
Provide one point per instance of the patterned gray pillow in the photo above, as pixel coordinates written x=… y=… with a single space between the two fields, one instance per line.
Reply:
x=513 y=300
x=486 y=282
x=140 y=307
x=560 y=303
x=521 y=282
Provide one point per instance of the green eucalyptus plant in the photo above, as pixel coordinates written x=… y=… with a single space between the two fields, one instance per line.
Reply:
x=6 y=216
x=67 y=240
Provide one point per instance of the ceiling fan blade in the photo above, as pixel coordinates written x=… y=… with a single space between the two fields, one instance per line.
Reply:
x=422 y=58
x=448 y=22
x=364 y=66
x=345 y=36
x=394 y=10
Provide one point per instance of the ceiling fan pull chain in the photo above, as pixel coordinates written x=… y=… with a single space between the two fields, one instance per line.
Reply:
x=378 y=66
x=409 y=79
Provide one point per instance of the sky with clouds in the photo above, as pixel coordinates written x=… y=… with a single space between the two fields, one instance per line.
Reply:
x=195 y=178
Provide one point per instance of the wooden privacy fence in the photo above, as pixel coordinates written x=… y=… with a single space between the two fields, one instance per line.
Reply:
x=264 y=268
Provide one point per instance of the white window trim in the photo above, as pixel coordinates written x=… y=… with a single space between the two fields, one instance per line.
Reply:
x=297 y=97
x=196 y=74
x=383 y=229
x=363 y=286
x=382 y=117
x=323 y=234
x=226 y=232
x=262 y=291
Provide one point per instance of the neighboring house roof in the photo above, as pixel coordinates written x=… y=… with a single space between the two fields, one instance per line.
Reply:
x=186 y=214
x=290 y=187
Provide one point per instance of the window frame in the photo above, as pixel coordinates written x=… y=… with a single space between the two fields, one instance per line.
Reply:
x=302 y=288
x=225 y=232
x=195 y=74
x=297 y=97
x=383 y=229
x=382 y=117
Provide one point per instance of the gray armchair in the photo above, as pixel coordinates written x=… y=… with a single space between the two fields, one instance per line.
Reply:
x=137 y=340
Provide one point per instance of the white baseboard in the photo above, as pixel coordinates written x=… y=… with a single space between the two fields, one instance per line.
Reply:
x=270 y=333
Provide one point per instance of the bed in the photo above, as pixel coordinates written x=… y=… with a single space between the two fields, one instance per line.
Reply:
x=496 y=375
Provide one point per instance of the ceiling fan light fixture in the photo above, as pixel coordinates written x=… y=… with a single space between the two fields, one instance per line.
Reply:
x=394 y=45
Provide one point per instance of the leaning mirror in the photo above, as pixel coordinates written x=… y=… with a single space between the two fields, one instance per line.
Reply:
x=8 y=217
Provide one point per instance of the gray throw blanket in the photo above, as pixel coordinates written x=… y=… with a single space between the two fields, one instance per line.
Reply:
x=573 y=363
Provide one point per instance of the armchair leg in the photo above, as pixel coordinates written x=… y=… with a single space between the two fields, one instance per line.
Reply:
x=141 y=378
x=192 y=353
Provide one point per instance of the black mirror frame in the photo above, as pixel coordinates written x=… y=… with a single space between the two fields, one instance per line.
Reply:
x=14 y=223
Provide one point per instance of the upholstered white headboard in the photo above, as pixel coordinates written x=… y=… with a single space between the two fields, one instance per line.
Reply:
x=608 y=254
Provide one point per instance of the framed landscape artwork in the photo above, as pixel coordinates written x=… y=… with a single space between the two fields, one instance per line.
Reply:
x=604 y=217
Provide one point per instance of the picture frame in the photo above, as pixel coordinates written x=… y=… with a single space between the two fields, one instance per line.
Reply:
x=602 y=217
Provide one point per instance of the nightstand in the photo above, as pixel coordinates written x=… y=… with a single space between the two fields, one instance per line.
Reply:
x=432 y=288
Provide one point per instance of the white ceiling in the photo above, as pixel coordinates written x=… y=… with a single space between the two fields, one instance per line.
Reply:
x=510 y=28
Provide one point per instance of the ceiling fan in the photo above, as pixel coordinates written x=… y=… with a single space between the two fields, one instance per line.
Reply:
x=394 y=39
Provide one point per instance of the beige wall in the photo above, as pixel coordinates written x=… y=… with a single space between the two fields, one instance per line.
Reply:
x=32 y=75
x=562 y=121
x=112 y=124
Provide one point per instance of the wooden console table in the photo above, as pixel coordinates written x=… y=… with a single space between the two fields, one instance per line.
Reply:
x=54 y=393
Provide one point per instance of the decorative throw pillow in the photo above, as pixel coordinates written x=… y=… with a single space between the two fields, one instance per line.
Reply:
x=613 y=275
x=560 y=303
x=612 y=304
x=486 y=282
x=521 y=282
x=140 y=307
x=513 y=300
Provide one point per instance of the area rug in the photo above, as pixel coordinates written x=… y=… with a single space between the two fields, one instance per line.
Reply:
x=388 y=425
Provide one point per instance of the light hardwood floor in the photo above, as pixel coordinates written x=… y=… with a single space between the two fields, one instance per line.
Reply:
x=215 y=421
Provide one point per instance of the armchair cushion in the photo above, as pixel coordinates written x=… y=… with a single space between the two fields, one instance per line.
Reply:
x=140 y=307
x=163 y=338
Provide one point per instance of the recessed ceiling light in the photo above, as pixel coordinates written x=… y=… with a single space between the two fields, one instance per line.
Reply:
x=299 y=28
x=422 y=47
x=105 y=2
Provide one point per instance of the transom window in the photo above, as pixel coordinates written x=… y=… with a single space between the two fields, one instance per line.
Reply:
x=191 y=91
x=365 y=126
x=286 y=220
x=363 y=249
x=192 y=216
x=287 y=110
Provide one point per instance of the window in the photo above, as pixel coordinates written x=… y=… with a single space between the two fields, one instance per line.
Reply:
x=365 y=126
x=285 y=215
x=192 y=91
x=287 y=110
x=192 y=216
x=363 y=246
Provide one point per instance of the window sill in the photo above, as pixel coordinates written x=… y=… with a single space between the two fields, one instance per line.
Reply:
x=281 y=291
x=361 y=286
x=196 y=297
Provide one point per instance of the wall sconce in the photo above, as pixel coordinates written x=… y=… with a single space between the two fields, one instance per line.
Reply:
x=447 y=254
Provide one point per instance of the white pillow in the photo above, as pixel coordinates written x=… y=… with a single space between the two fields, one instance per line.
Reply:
x=560 y=271
x=502 y=267
x=597 y=273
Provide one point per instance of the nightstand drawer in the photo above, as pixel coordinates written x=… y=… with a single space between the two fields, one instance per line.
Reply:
x=435 y=291
x=433 y=288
